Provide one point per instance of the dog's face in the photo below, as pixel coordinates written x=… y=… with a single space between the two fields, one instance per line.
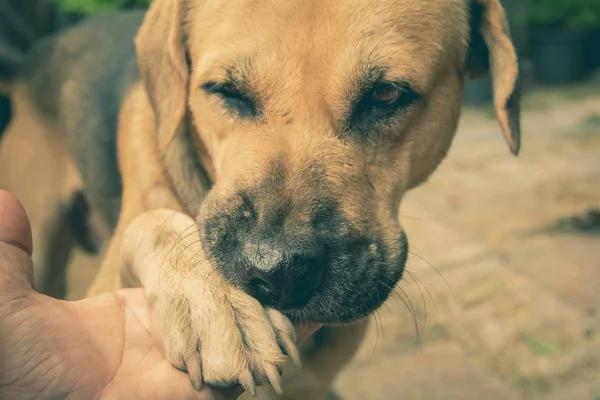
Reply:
x=318 y=116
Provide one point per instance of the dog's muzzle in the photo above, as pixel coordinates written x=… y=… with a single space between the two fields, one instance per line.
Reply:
x=280 y=254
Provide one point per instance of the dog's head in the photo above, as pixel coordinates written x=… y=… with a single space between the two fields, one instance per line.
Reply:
x=317 y=116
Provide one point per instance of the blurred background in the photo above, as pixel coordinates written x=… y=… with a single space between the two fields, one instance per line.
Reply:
x=501 y=299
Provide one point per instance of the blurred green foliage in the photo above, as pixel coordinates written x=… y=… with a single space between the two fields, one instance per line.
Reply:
x=564 y=14
x=561 y=14
x=94 y=6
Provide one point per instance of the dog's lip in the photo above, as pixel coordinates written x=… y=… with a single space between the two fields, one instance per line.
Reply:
x=306 y=330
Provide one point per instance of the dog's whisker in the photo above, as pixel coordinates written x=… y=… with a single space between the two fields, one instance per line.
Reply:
x=416 y=284
x=422 y=298
x=435 y=269
x=378 y=322
x=420 y=282
x=406 y=299
x=380 y=332
x=192 y=230
x=184 y=249
x=386 y=306
x=379 y=312
x=393 y=246
x=181 y=237
x=411 y=309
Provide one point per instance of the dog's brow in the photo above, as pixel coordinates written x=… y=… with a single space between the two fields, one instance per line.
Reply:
x=368 y=77
x=240 y=72
x=240 y=75
x=371 y=72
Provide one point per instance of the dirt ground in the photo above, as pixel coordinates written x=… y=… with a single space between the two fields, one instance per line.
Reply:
x=506 y=298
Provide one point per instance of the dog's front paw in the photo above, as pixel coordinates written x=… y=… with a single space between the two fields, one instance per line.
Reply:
x=222 y=337
x=217 y=333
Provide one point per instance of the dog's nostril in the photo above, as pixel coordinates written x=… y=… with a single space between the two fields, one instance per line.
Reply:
x=260 y=286
x=262 y=291
x=278 y=277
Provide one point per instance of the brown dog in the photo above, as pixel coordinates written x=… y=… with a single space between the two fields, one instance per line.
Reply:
x=262 y=156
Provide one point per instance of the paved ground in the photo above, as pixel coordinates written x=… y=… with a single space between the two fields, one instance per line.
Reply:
x=506 y=307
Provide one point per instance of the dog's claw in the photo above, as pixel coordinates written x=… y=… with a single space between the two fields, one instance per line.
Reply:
x=194 y=368
x=249 y=350
x=274 y=378
x=247 y=381
x=287 y=336
x=293 y=353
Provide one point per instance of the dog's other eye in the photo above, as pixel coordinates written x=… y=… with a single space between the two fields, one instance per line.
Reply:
x=381 y=102
x=235 y=99
x=385 y=94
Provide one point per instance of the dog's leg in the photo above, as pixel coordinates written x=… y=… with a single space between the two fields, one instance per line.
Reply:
x=53 y=244
x=324 y=356
x=36 y=167
x=216 y=332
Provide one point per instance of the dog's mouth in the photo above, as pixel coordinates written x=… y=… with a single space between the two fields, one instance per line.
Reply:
x=357 y=284
x=306 y=330
x=348 y=295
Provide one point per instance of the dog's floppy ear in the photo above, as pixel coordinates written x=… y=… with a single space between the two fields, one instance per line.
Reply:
x=492 y=52
x=161 y=51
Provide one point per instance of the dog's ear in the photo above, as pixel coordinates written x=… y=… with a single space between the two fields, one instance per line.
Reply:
x=162 y=59
x=492 y=52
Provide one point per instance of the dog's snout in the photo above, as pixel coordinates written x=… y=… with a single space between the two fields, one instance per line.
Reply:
x=283 y=278
x=279 y=240
x=300 y=251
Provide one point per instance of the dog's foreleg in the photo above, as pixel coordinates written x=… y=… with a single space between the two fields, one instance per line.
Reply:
x=215 y=331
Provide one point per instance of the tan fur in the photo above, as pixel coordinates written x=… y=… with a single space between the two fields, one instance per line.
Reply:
x=302 y=56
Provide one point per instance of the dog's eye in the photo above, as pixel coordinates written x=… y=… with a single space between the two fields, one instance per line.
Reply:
x=379 y=103
x=228 y=90
x=235 y=99
x=386 y=94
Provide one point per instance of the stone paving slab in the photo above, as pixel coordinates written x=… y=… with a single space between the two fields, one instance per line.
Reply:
x=523 y=333
x=572 y=274
x=434 y=244
x=588 y=389
x=440 y=371
x=523 y=217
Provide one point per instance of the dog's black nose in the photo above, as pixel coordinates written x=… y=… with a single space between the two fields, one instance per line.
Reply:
x=281 y=278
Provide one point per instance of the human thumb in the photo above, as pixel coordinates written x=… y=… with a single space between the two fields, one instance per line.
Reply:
x=16 y=268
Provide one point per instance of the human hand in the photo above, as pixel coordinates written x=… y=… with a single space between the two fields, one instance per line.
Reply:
x=98 y=348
